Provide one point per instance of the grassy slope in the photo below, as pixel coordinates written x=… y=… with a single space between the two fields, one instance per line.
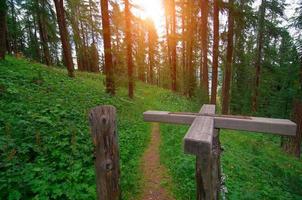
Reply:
x=45 y=146
x=46 y=150
x=254 y=165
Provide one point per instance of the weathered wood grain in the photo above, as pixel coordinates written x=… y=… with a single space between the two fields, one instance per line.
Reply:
x=202 y=140
x=254 y=124
x=167 y=117
x=198 y=141
x=216 y=168
x=104 y=134
x=258 y=124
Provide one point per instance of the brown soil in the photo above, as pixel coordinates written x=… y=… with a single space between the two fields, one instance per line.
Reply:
x=154 y=173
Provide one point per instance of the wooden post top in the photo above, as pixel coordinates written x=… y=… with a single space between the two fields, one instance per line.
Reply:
x=199 y=137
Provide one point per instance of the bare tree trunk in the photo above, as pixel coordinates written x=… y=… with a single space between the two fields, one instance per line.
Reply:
x=59 y=4
x=215 y=52
x=168 y=38
x=74 y=19
x=204 y=45
x=14 y=24
x=258 y=58
x=151 y=41
x=189 y=50
x=2 y=30
x=8 y=44
x=110 y=86
x=173 y=47
x=228 y=67
x=84 y=47
x=38 y=50
x=142 y=67
x=91 y=19
x=128 y=39
x=183 y=50
x=43 y=32
x=168 y=34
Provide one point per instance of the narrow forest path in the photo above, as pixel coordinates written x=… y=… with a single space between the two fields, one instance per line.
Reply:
x=155 y=174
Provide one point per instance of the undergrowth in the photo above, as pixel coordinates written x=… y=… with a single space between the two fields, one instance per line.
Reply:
x=46 y=150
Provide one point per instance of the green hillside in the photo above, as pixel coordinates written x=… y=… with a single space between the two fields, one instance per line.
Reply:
x=46 y=151
x=45 y=147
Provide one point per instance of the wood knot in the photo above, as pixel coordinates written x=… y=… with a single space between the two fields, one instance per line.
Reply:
x=108 y=166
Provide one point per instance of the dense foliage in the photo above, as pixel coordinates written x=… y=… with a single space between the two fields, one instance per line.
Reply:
x=46 y=150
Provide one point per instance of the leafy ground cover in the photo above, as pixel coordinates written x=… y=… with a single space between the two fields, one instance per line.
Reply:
x=46 y=150
x=254 y=165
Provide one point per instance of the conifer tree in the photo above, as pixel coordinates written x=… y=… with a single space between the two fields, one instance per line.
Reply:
x=110 y=86
x=128 y=39
x=59 y=4
x=229 y=57
x=3 y=9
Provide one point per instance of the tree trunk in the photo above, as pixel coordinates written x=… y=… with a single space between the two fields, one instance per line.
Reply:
x=204 y=45
x=2 y=30
x=151 y=41
x=84 y=48
x=11 y=33
x=92 y=22
x=14 y=25
x=110 y=86
x=64 y=37
x=228 y=67
x=168 y=36
x=215 y=52
x=258 y=58
x=128 y=39
x=183 y=49
x=43 y=32
x=142 y=67
x=36 y=40
x=191 y=79
x=292 y=145
x=8 y=45
x=74 y=19
x=173 y=47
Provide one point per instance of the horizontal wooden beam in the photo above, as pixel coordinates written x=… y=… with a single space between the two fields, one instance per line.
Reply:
x=168 y=117
x=254 y=124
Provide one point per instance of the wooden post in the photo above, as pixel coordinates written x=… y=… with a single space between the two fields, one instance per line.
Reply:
x=292 y=145
x=216 y=170
x=202 y=140
x=104 y=134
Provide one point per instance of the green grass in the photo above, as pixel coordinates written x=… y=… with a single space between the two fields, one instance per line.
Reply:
x=46 y=151
x=254 y=165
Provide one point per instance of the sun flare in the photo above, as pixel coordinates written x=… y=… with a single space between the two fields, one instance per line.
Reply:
x=152 y=9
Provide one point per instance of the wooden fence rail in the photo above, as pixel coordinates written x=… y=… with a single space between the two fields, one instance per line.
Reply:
x=283 y=127
x=202 y=140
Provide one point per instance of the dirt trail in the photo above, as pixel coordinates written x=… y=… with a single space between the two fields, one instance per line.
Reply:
x=154 y=173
